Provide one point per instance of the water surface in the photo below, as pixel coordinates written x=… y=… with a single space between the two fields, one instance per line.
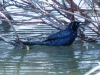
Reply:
x=46 y=60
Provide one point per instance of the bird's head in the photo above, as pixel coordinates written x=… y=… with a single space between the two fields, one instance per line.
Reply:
x=74 y=25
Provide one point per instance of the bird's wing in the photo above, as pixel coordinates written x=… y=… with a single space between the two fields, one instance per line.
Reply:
x=58 y=35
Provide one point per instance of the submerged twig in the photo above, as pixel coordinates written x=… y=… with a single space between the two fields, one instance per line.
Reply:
x=10 y=42
x=10 y=25
x=17 y=42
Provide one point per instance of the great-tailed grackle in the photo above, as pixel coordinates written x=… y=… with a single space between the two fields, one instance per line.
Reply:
x=62 y=38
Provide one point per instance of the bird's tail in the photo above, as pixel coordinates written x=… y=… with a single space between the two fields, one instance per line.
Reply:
x=33 y=43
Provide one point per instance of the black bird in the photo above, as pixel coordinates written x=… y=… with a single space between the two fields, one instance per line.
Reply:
x=62 y=38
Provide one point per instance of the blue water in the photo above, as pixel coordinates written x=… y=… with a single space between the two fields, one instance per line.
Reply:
x=76 y=59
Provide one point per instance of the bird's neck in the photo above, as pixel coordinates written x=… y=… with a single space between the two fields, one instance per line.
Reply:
x=69 y=26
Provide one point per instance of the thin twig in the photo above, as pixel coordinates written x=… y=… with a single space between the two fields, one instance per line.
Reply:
x=71 y=9
x=17 y=37
x=93 y=70
x=65 y=11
